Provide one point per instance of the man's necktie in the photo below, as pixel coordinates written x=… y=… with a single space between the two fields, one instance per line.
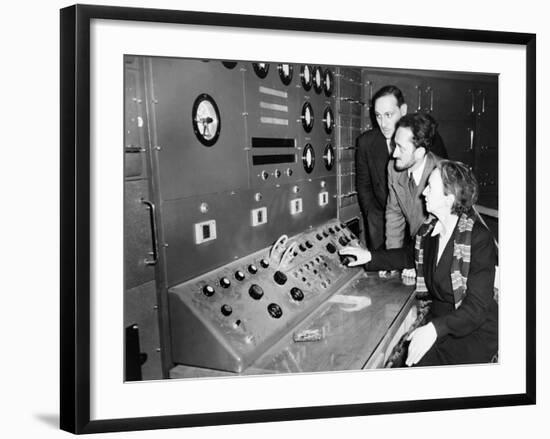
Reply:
x=412 y=184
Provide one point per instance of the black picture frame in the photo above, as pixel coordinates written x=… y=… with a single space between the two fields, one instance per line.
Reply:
x=75 y=217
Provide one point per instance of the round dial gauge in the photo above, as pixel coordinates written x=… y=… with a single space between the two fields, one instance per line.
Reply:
x=206 y=120
x=285 y=73
x=230 y=64
x=307 y=117
x=318 y=80
x=308 y=158
x=306 y=77
x=328 y=120
x=261 y=69
x=328 y=82
x=328 y=157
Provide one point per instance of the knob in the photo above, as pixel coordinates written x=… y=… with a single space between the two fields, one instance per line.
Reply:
x=280 y=277
x=225 y=282
x=325 y=234
x=226 y=310
x=264 y=263
x=309 y=244
x=331 y=248
x=208 y=290
x=302 y=247
x=289 y=172
x=331 y=230
x=346 y=260
x=343 y=241
x=252 y=269
x=337 y=228
x=256 y=292
x=265 y=175
x=274 y=310
x=319 y=237
x=297 y=294
x=277 y=173
x=239 y=275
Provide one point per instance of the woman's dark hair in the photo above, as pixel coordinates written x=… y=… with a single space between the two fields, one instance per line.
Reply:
x=459 y=180
x=423 y=128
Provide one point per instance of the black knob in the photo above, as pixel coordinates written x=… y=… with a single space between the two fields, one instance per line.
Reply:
x=309 y=244
x=208 y=290
x=264 y=263
x=337 y=228
x=297 y=294
x=252 y=269
x=331 y=248
x=274 y=310
x=239 y=275
x=256 y=292
x=280 y=277
x=225 y=282
x=343 y=241
x=331 y=230
x=325 y=234
x=226 y=310
x=319 y=237
x=347 y=259
x=302 y=247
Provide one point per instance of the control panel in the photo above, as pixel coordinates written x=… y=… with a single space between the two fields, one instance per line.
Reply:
x=227 y=318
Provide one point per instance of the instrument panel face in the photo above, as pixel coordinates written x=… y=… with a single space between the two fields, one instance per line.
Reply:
x=198 y=108
x=232 y=138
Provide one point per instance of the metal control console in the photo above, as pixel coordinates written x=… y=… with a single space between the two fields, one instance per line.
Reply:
x=227 y=318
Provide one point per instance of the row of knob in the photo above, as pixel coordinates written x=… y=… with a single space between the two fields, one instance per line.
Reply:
x=273 y=309
x=225 y=282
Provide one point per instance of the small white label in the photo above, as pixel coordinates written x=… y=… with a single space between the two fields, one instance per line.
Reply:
x=296 y=206
x=259 y=216
x=323 y=198
x=205 y=231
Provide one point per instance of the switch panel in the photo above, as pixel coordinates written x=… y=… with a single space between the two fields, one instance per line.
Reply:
x=296 y=206
x=227 y=318
x=259 y=216
x=323 y=198
x=205 y=231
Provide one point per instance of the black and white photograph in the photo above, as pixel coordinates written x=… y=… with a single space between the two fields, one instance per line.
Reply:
x=299 y=218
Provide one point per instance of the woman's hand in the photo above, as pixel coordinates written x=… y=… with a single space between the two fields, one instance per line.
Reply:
x=422 y=339
x=361 y=255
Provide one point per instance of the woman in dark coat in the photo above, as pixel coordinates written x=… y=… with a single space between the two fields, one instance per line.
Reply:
x=455 y=258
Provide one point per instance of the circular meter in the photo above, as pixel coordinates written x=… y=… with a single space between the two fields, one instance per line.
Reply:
x=307 y=117
x=328 y=157
x=308 y=158
x=306 y=77
x=318 y=80
x=328 y=83
x=285 y=73
x=261 y=69
x=328 y=120
x=206 y=119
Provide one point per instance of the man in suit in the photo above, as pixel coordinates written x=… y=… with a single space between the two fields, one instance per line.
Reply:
x=407 y=177
x=373 y=152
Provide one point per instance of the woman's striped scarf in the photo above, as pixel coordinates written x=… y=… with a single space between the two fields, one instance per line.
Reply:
x=461 y=256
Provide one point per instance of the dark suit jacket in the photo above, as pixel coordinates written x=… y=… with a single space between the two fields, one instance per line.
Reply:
x=371 y=162
x=371 y=171
x=469 y=333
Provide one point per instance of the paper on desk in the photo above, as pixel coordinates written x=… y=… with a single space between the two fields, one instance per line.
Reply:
x=356 y=303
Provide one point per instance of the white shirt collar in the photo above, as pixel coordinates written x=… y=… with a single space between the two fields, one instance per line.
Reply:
x=417 y=174
x=438 y=228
